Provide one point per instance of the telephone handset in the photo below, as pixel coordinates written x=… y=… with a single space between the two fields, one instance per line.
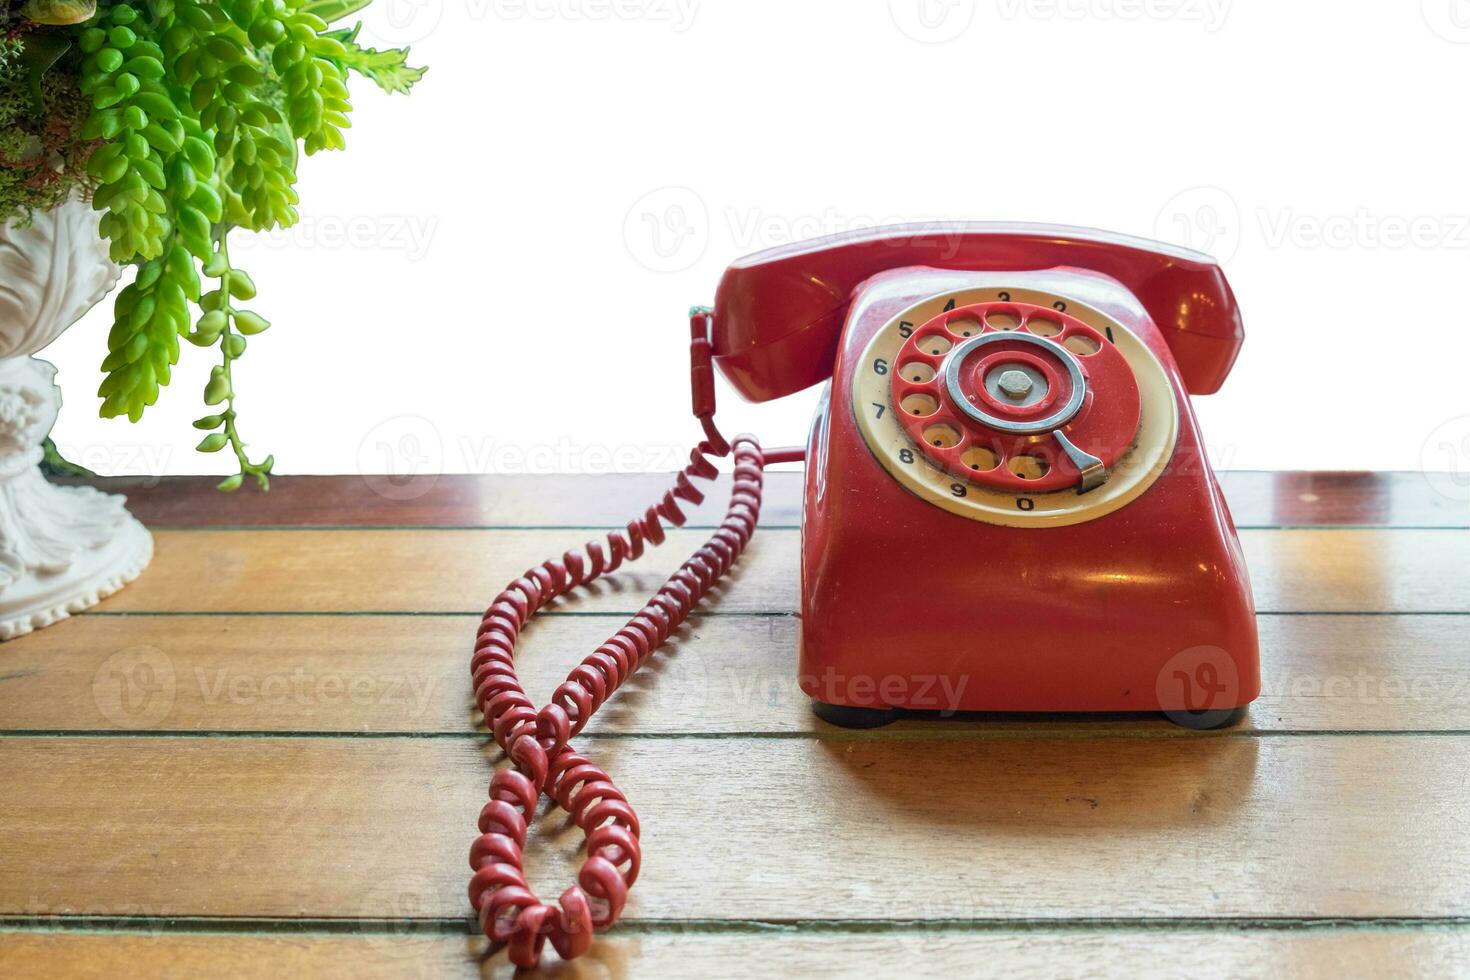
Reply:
x=780 y=311
x=1007 y=508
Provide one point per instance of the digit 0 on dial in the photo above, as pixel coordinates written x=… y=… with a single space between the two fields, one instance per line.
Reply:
x=1016 y=407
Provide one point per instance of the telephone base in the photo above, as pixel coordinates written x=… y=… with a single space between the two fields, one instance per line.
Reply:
x=847 y=716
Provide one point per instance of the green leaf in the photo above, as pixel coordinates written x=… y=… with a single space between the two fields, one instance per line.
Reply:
x=387 y=68
x=241 y=285
x=230 y=483
x=212 y=443
x=58 y=13
x=250 y=323
x=209 y=422
x=333 y=10
x=211 y=323
x=217 y=390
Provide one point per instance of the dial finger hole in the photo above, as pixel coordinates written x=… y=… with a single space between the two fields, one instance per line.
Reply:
x=1044 y=326
x=935 y=344
x=1080 y=343
x=965 y=326
x=1028 y=467
x=919 y=404
x=980 y=458
x=916 y=371
x=1002 y=320
x=942 y=436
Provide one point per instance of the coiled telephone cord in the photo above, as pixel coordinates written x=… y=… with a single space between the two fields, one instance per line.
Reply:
x=537 y=742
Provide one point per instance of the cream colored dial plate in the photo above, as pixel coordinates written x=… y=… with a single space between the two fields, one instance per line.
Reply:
x=1133 y=474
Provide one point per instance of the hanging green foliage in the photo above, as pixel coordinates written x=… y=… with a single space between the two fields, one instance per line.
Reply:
x=182 y=120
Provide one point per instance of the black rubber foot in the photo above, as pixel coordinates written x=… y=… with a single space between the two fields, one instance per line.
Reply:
x=844 y=716
x=1202 y=721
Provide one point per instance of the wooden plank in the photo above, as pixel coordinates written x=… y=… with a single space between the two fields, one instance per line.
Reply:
x=1327 y=954
x=1343 y=498
x=1257 y=499
x=890 y=828
x=1359 y=571
x=461 y=571
x=435 y=500
x=724 y=674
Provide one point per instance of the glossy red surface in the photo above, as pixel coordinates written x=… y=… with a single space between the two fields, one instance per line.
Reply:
x=778 y=312
x=904 y=604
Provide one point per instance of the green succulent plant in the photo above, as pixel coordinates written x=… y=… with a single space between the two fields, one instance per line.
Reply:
x=182 y=120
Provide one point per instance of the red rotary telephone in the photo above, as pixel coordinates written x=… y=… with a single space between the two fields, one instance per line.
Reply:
x=1007 y=508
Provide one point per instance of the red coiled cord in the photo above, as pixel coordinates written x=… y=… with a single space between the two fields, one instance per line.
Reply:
x=537 y=742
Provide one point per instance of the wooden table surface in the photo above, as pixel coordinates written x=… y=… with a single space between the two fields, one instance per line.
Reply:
x=262 y=759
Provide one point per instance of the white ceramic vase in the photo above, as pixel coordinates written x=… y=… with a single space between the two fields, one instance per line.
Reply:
x=62 y=549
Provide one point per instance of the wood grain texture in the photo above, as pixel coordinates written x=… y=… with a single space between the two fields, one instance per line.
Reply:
x=968 y=828
x=1256 y=499
x=774 y=844
x=460 y=571
x=1327 y=954
x=720 y=674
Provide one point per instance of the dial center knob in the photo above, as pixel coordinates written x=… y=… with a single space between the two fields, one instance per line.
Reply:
x=1013 y=383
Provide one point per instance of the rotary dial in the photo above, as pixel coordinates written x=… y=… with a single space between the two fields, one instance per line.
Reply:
x=1014 y=406
x=1016 y=397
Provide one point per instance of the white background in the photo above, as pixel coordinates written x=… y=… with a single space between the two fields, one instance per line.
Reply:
x=494 y=277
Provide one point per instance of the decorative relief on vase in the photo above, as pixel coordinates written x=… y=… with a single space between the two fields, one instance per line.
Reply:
x=61 y=548
x=51 y=272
